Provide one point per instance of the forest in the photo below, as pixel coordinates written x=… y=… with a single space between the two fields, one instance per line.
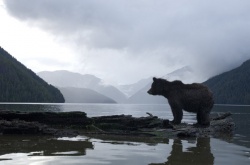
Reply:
x=232 y=87
x=20 y=84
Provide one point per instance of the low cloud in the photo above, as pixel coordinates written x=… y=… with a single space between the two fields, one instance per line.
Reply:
x=135 y=39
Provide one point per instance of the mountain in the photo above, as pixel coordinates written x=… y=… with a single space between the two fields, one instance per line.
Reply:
x=142 y=97
x=64 y=78
x=131 y=89
x=111 y=92
x=232 y=87
x=186 y=74
x=83 y=95
x=20 y=84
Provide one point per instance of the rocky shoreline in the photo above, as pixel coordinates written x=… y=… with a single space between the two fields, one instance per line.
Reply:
x=71 y=124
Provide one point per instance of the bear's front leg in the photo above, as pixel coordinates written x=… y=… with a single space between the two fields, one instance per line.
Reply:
x=177 y=113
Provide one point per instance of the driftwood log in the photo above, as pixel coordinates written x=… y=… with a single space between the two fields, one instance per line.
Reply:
x=75 y=123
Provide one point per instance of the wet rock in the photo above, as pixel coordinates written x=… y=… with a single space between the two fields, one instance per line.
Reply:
x=66 y=124
x=50 y=118
x=127 y=122
x=34 y=128
x=19 y=127
x=221 y=125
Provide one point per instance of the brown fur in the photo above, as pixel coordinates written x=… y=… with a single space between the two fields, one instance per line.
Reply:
x=194 y=97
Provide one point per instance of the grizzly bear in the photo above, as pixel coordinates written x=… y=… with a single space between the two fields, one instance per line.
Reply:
x=194 y=97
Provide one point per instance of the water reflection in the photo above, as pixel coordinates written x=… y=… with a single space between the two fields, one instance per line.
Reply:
x=199 y=154
x=43 y=146
x=24 y=150
x=241 y=117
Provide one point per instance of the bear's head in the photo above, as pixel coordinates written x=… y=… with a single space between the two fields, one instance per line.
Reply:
x=158 y=87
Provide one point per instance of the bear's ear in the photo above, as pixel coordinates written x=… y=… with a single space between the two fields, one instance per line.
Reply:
x=154 y=79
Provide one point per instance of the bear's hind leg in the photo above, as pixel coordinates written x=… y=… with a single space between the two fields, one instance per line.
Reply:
x=203 y=117
x=179 y=115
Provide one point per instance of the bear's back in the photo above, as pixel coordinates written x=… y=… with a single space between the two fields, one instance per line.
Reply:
x=180 y=85
x=194 y=90
x=194 y=96
x=195 y=86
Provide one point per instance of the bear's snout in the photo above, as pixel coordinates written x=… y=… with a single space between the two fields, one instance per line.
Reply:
x=150 y=91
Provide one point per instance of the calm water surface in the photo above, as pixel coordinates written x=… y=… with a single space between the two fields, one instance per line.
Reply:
x=37 y=150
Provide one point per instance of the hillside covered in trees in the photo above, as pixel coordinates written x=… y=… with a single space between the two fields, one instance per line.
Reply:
x=232 y=87
x=20 y=84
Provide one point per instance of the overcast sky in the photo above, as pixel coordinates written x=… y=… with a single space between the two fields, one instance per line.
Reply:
x=122 y=41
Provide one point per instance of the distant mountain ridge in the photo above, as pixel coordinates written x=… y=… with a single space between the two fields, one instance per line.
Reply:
x=83 y=95
x=131 y=89
x=63 y=78
x=142 y=97
x=232 y=87
x=20 y=84
x=136 y=93
x=185 y=74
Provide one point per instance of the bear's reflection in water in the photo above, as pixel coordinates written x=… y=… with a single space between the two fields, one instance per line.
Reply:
x=198 y=155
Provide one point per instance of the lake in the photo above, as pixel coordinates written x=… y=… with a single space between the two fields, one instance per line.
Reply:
x=114 y=150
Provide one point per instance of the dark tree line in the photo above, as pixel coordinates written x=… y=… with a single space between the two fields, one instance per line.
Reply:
x=20 y=84
x=232 y=87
